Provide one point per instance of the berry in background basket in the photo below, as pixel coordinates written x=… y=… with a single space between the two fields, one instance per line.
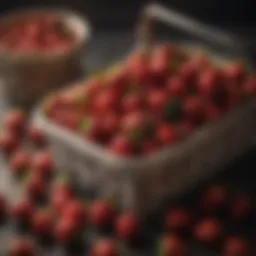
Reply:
x=9 y=142
x=189 y=74
x=101 y=214
x=208 y=231
x=132 y=102
x=172 y=245
x=15 y=120
x=20 y=162
x=21 y=247
x=178 y=220
x=43 y=223
x=105 y=247
x=127 y=227
x=35 y=136
x=236 y=246
x=235 y=74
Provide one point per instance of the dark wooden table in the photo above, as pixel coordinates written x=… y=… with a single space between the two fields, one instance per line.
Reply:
x=107 y=47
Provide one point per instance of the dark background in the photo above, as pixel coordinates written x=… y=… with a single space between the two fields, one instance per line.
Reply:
x=122 y=13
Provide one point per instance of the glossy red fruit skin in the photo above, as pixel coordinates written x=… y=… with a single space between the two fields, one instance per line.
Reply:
x=110 y=124
x=208 y=231
x=166 y=135
x=101 y=214
x=127 y=227
x=193 y=110
x=240 y=208
x=23 y=211
x=106 y=100
x=36 y=187
x=9 y=142
x=43 y=223
x=43 y=163
x=157 y=99
x=236 y=246
x=121 y=146
x=105 y=247
x=235 y=73
x=15 y=120
x=173 y=245
x=132 y=102
x=21 y=247
x=76 y=211
x=178 y=220
x=66 y=230
x=176 y=87
x=214 y=199
x=36 y=136
x=20 y=162
x=189 y=74
x=59 y=199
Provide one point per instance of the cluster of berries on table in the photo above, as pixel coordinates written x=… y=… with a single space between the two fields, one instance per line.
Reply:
x=152 y=100
x=52 y=210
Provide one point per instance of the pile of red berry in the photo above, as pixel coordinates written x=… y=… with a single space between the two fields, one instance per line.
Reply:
x=151 y=101
x=51 y=209
x=36 y=33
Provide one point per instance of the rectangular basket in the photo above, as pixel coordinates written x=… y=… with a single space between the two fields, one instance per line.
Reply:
x=141 y=184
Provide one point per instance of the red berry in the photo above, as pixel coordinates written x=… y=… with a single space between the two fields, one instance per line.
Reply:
x=176 y=87
x=59 y=199
x=178 y=220
x=20 y=162
x=36 y=136
x=173 y=246
x=188 y=73
x=157 y=100
x=213 y=199
x=101 y=214
x=208 y=231
x=93 y=87
x=127 y=227
x=209 y=83
x=121 y=146
x=166 y=134
x=236 y=73
x=236 y=246
x=106 y=247
x=43 y=163
x=23 y=211
x=66 y=230
x=21 y=247
x=15 y=120
x=193 y=109
x=106 y=100
x=8 y=142
x=109 y=124
x=160 y=66
x=240 y=208
x=42 y=223
x=36 y=187
x=76 y=211
x=132 y=102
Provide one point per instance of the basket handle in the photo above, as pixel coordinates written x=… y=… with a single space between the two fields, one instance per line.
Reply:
x=154 y=12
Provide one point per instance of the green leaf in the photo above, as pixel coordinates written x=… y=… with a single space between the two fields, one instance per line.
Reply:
x=85 y=125
x=173 y=111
